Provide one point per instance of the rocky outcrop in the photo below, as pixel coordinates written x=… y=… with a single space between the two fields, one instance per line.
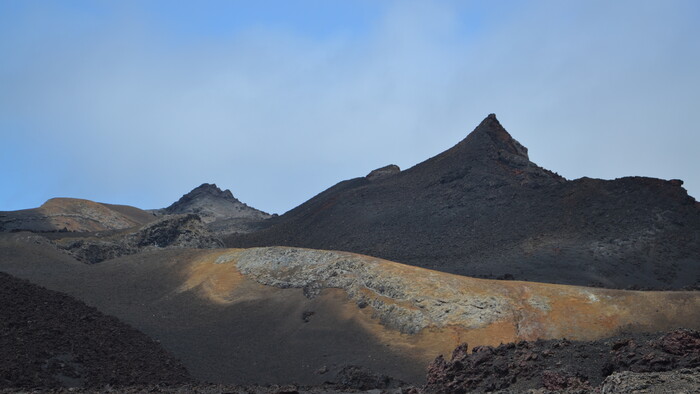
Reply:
x=484 y=209
x=172 y=231
x=682 y=381
x=219 y=210
x=567 y=365
x=179 y=231
x=51 y=340
x=399 y=301
x=386 y=171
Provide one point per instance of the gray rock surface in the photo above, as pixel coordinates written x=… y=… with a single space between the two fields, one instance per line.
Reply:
x=396 y=300
x=219 y=210
x=172 y=231
x=683 y=381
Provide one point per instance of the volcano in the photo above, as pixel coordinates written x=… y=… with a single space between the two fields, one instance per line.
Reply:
x=483 y=209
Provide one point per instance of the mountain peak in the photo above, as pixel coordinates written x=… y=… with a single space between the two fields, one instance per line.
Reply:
x=204 y=194
x=495 y=136
x=212 y=190
x=211 y=204
x=489 y=141
x=489 y=150
x=207 y=186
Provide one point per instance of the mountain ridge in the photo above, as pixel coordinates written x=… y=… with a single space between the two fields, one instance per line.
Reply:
x=219 y=210
x=74 y=215
x=482 y=208
x=212 y=203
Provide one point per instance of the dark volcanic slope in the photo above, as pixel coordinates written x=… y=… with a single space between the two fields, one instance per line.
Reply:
x=264 y=337
x=49 y=339
x=482 y=208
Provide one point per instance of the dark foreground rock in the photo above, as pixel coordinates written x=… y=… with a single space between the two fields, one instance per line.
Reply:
x=49 y=339
x=683 y=381
x=203 y=388
x=172 y=231
x=561 y=365
x=360 y=378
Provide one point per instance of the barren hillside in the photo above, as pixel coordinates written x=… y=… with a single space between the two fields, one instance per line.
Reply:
x=482 y=208
x=74 y=215
x=280 y=315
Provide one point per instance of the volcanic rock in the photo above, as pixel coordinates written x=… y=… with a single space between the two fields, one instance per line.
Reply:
x=563 y=365
x=682 y=381
x=172 y=231
x=49 y=339
x=383 y=172
x=224 y=312
x=360 y=378
x=211 y=203
x=219 y=209
x=483 y=209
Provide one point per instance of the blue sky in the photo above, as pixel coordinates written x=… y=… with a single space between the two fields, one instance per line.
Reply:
x=137 y=102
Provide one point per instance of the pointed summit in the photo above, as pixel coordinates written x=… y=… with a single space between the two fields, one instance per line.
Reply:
x=490 y=120
x=212 y=204
x=212 y=190
x=488 y=152
x=497 y=152
x=490 y=135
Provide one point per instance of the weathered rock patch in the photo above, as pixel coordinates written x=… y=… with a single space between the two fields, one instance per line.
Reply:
x=398 y=302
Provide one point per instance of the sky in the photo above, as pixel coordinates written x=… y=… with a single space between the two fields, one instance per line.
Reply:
x=138 y=102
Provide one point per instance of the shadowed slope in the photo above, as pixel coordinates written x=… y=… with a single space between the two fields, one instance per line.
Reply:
x=51 y=340
x=171 y=231
x=280 y=315
x=482 y=208
x=262 y=337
